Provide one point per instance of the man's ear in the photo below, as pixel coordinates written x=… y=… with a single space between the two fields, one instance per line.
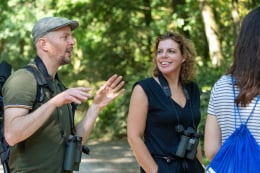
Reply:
x=43 y=44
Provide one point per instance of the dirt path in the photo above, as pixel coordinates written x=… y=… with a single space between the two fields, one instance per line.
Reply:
x=107 y=157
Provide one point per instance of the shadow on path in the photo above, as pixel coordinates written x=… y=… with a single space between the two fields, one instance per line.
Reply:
x=109 y=157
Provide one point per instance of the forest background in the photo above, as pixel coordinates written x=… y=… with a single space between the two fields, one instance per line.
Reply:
x=117 y=36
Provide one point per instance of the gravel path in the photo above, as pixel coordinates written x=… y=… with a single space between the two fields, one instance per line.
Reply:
x=107 y=157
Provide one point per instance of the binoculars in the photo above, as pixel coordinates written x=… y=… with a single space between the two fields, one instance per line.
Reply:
x=187 y=147
x=73 y=152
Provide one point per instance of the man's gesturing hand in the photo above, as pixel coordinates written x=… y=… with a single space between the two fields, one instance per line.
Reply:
x=109 y=91
x=76 y=95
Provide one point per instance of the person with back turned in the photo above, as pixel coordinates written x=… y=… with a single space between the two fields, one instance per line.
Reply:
x=233 y=120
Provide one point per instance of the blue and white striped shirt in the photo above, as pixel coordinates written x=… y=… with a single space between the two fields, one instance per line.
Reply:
x=221 y=105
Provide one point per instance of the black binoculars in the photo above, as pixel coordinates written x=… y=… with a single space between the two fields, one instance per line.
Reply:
x=188 y=144
x=73 y=152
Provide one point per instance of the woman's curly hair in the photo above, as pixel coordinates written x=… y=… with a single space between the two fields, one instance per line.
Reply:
x=188 y=51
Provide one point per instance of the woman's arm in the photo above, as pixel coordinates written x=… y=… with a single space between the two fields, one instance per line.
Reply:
x=199 y=153
x=212 y=138
x=135 y=129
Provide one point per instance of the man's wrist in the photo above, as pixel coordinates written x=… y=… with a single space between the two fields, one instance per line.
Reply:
x=95 y=108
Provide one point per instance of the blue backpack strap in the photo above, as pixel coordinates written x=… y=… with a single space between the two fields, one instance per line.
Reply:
x=236 y=109
x=234 y=95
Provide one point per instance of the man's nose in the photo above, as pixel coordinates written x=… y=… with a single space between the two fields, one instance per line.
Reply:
x=72 y=40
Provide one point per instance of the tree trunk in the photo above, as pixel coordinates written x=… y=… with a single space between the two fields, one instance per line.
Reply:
x=235 y=17
x=148 y=20
x=212 y=32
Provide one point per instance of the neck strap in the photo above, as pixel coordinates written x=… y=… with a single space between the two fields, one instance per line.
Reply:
x=72 y=107
x=167 y=92
x=164 y=85
x=166 y=88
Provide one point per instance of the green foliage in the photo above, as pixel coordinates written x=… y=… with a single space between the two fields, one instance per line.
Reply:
x=112 y=122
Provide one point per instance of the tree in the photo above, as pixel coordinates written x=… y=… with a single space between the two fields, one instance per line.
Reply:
x=212 y=32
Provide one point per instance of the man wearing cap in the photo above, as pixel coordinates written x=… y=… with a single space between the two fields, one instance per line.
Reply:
x=37 y=131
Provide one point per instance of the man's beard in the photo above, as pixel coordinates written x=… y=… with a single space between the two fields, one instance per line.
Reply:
x=65 y=60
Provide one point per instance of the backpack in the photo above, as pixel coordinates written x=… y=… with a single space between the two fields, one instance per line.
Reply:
x=42 y=82
x=5 y=71
x=240 y=153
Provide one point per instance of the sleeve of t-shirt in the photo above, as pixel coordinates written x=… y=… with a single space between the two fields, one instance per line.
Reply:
x=20 y=90
x=211 y=107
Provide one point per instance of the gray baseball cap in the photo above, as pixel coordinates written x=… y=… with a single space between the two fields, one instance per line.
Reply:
x=48 y=24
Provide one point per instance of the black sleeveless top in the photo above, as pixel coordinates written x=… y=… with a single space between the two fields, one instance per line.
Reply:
x=164 y=114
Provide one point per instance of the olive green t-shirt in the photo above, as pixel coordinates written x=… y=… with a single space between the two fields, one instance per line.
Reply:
x=43 y=152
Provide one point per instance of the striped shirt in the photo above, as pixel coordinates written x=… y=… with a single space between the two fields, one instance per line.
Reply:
x=221 y=105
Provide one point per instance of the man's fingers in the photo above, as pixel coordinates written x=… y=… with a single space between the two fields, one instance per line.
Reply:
x=119 y=86
x=77 y=95
x=114 y=81
x=110 y=82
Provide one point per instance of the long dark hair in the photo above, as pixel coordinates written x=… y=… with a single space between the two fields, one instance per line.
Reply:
x=246 y=64
x=188 y=67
